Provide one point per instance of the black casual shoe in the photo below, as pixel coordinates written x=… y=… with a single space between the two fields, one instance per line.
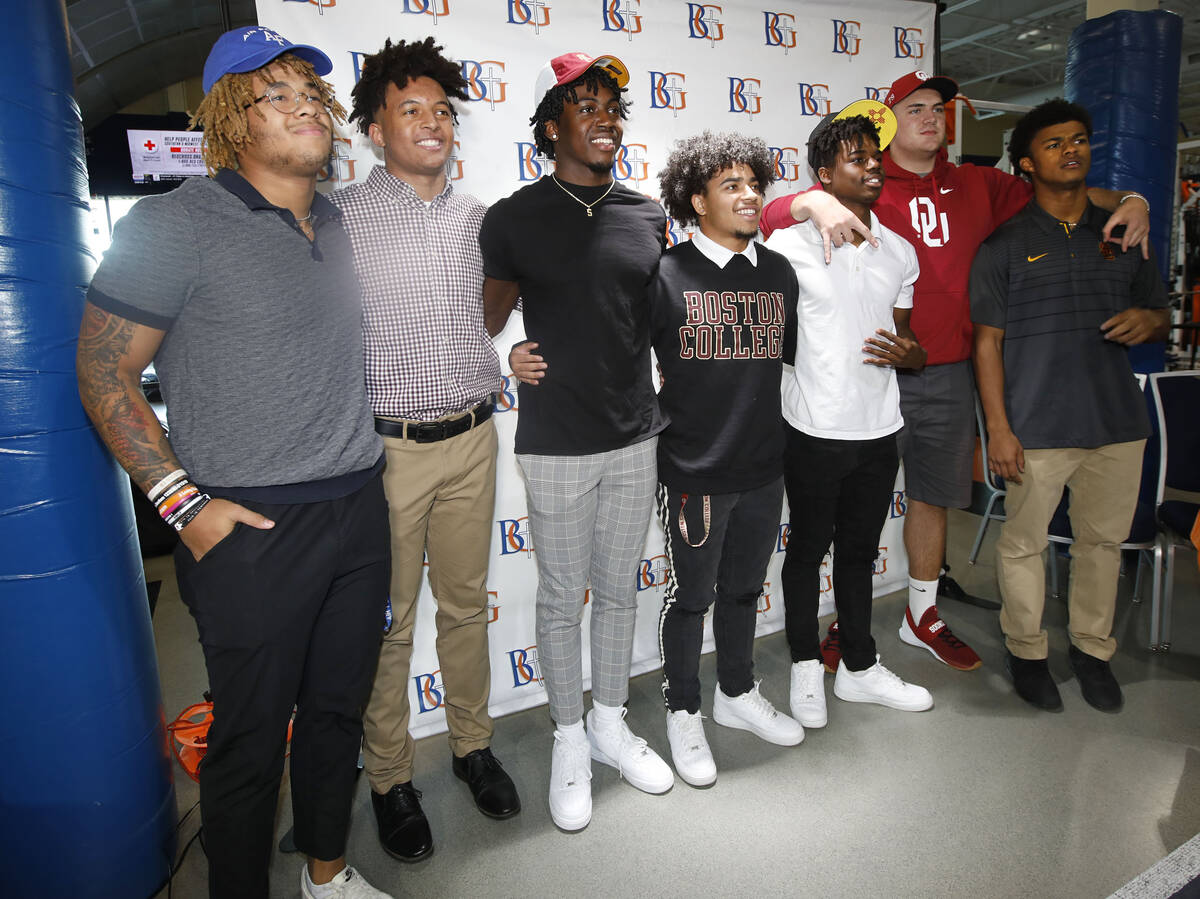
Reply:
x=1033 y=683
x=1100 y=689
x=494 y=792
x=949 y=588
x=403 y=827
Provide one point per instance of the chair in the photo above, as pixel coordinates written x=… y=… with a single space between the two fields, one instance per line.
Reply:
x=1177 y=413
x=993 y=487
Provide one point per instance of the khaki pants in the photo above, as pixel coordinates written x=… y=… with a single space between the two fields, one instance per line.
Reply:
x=440 y=497
x=1104 y=489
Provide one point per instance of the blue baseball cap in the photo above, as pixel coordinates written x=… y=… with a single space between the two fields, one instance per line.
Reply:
x=247 y=49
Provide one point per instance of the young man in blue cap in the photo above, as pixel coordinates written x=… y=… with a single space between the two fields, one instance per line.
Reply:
x=241 y=289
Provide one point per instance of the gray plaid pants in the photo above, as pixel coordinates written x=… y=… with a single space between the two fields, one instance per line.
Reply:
x=588 y=516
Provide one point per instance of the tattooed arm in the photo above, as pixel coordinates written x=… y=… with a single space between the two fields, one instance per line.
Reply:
x=112 y=353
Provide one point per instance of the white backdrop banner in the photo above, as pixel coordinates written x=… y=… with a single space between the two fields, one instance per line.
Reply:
x=729 y=66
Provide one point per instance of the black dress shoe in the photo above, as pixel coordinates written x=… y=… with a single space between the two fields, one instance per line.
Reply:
x=949 y=588
x=1100 y=689
x=403 y=828
x=1033 y=683
x=492 y=788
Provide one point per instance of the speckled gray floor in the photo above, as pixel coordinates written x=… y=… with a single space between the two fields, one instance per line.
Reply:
x=982 y=796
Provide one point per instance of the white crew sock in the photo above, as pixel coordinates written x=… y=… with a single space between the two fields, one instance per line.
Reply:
x=921 y=595
x=573 y=731
x=321 y=890
x=607 y=715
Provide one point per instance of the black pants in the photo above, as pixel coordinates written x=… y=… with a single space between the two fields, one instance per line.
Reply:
x=838 y=491
x=727 y=568
x=291 y=616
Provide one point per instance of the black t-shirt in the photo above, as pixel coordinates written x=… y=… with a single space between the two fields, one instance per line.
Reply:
x=584 y=282
x=718 y=334
x=1049 y=288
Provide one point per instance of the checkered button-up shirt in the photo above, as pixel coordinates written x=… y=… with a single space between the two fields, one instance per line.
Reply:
x=421 y=274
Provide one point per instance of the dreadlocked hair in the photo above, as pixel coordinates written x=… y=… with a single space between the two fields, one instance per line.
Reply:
x=399 y=64
x=823 y=146
x=695 y=160
x=551 y=106
x=223 y=113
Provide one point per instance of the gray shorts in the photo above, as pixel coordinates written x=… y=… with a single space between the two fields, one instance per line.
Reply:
x=937 y=443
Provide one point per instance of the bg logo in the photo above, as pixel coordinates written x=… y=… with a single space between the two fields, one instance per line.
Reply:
x=899 y=504
x=341 y=167
x=814 y=99
x=826 y=574
x=877 y=93
x=531 y=164
x=926 y=222
x=525 y=668
x=786 y=161
x=781 y=543
x=845 y=36
x=666 y=91
x=429 y=692
x=622 y=15
x=764 y=599
x=321 y=5
x=780 y=28
x=653 y=572
x=880 y=566
x=908 y=43
x=356 y=57
x=630 y=163
x=514 y=536
x=454 y=166
x=744 y=96
x=529 y=12
x=704 y=23
x=433 y=8
x=506 y=399
x=484 y=81
x=677 y=233
x=493 y=606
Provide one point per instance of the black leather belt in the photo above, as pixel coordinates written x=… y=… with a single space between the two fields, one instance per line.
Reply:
x=433 y=431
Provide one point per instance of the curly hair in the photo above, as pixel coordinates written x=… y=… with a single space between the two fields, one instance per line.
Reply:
x=1053 y=112
x=827 y=139
x=695 y=160
x=551 y=106
x=399 y=64
x=222 y=114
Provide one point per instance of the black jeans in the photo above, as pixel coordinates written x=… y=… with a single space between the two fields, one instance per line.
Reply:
x=838 y=491
x=727 y=568
x=291 y=616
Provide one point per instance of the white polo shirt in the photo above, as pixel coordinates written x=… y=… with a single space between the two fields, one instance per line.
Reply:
x=828 y=391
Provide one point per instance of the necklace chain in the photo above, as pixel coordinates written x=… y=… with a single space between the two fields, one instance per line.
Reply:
x=587 y=206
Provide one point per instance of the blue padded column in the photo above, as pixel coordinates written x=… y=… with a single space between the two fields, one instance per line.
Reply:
x=87 y=805
x=1124 y=69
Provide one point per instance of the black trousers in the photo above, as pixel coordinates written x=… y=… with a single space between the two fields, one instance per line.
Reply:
x=839 y=492
x=728 y=569
x=291 y=616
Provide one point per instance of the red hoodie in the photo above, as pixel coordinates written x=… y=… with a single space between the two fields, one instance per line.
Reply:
x=945 y=215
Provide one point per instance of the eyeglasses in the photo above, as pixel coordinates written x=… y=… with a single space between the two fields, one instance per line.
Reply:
x=286 y=100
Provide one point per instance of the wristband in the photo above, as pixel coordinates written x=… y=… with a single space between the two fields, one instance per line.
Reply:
x=1134 y=193
x=185 y=517
x=156 y=492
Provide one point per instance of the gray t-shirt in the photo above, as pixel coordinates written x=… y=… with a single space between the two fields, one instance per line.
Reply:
x=1049 y=287
x=261 y=366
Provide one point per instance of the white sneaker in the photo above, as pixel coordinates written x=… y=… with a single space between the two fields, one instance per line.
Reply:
x=570 y=782
x=753 y=712
x=808 y=693
x=616 y=745
x=689 y=748
x=347 y=885
x=881 y=686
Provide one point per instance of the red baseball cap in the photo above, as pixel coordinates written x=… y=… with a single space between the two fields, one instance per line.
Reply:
x=906 y=84
x=566 y=68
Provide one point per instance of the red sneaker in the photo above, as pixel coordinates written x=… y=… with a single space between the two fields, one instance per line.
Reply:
x=933 y=634
x=831 y=649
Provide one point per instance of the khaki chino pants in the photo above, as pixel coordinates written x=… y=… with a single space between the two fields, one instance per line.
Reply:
x=1104 y=486
x=441 y=499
